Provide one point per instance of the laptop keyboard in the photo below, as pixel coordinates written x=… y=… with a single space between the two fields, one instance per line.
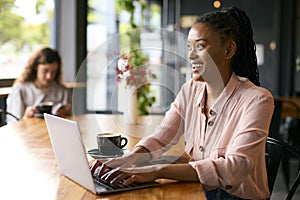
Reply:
x=108 y=186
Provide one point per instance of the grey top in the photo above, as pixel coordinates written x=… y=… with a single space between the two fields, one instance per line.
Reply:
x=27 y=94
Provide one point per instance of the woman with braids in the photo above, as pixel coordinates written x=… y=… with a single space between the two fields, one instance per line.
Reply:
x=41 y=81
x=222 y=112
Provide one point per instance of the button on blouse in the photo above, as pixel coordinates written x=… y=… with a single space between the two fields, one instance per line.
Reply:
x=211 y=112
x=210 y=123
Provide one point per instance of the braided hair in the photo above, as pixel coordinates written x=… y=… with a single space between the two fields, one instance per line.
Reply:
x=233 y=23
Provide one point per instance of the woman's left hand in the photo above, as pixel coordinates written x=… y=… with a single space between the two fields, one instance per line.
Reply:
x=29 y=111
x=64 y=110
x=130 y=175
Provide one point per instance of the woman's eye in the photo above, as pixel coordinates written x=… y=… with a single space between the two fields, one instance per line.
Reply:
x=188 y=46
x=200 y=47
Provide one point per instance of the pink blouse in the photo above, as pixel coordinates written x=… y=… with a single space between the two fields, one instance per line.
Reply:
x=228 y=149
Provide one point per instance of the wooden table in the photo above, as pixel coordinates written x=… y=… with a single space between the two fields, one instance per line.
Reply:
x=26 y=155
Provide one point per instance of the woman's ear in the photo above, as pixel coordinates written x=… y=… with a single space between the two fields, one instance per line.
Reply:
x=230 y=49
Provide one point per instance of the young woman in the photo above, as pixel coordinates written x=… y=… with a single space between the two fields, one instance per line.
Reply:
x=222 y=112
x=41 y=81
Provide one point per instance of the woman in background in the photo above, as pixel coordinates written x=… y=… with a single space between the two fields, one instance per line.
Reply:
x=41 y=81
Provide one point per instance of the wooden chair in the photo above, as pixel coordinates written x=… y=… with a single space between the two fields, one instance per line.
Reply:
x=275 y=150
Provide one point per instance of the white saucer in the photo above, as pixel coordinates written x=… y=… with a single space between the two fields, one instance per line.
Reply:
x=95 y=153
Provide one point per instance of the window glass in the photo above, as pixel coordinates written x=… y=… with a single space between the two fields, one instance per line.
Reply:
x=108 y=33
x=25 y=26
x=107 y=25
x=101 y=26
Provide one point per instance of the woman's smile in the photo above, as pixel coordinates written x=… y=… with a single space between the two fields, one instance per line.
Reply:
x=197 y=67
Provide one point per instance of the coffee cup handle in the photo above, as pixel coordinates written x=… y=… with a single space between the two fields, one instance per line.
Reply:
x=125 y=142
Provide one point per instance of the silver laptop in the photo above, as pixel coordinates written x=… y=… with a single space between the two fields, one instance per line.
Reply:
x=72 y=159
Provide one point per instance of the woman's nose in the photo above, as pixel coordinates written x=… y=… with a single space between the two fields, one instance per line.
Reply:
x=192 y=54
x=49 y=75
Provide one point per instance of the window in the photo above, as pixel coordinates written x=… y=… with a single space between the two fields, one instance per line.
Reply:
x=166 y=50
x=25 y=26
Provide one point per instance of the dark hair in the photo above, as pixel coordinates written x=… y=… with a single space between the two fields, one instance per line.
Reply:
x=235 y=24
x=44 y=55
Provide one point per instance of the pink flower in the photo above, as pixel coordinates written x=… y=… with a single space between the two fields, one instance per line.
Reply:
x=134 y=76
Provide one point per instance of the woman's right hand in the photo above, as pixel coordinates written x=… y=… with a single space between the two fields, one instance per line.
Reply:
x=109 y=164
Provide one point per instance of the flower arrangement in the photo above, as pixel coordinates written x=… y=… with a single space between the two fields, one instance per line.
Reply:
x=137 y=76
